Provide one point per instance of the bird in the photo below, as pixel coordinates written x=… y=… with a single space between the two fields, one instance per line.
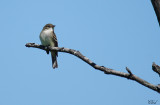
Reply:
x=48 y=38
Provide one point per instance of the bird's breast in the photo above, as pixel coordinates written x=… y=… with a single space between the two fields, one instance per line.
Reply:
x=46 y=38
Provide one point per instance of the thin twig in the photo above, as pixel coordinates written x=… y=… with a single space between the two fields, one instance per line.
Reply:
x=156 y=68
x=130 y=73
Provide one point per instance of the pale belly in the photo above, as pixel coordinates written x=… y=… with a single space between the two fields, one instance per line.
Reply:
x=46 y=39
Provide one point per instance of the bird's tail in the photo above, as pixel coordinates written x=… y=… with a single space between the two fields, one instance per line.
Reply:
x=54 y=60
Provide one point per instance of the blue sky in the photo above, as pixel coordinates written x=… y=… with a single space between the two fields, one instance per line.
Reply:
x=111 y=33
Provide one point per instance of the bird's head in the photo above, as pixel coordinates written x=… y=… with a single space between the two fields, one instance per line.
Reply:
x=48 y=26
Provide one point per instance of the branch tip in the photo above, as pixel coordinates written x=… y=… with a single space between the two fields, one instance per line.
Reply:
x=156 y=68
x=129 y=71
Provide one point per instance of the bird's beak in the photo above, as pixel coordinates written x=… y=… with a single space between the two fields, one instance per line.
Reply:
x=54 y=25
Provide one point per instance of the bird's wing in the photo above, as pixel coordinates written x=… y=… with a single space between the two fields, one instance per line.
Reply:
x=55 y=41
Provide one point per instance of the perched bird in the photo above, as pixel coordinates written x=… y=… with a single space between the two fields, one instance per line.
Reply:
x=48 y=38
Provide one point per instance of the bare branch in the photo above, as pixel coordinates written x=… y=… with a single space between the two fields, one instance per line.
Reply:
x=128 y=75
x=156 y=6
x=156 y=68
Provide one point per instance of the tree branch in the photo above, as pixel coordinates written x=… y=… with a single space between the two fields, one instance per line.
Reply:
x=156 y=6
x=128 y=75
x=156 y=68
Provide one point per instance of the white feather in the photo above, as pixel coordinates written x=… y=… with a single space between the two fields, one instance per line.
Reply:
x=46 y=37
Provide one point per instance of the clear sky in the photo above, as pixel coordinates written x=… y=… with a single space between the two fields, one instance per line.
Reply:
x=112 y=33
